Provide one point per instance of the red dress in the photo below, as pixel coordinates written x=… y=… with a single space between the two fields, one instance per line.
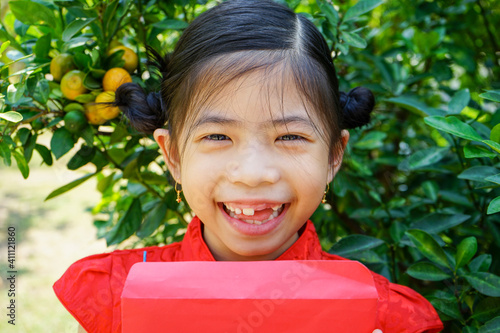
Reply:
x=91 y=288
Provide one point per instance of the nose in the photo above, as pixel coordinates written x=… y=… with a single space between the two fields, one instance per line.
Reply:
x=253 y=166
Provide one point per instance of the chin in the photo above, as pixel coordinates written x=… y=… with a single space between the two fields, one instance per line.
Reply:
x=256 y=252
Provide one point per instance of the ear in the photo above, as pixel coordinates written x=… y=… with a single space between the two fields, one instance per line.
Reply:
x=338 y=156
x=170 y=153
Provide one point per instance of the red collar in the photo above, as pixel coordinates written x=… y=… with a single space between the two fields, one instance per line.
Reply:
x=194 y=248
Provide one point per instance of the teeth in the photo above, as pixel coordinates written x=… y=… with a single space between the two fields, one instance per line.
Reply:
x=250 y=212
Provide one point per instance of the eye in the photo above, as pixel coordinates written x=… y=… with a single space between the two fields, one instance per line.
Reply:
x=216 y=137
x=290 y=137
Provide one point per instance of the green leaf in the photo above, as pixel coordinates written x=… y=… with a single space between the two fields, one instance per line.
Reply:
x=29 y=146
x=42 y=91
x=361 y=7
x=453 y=126
x=495 y=133
x=412 y=104
x=330 y=12
x=459 y=101
x=449 y=308
x=465 y=251
x=74 y=27
x=494 y=179
x=4 y=47
x=109 y=15
x=5 y=153
x=12 y=116
x=492 y=326
x=119 y=134
x=44 y=153
x=425 y=41
x=435 y=223
x=105 y=182
x=351 y=244
x=91 y=83
x=492 y=95
x=170 y=24
x=478 y=173
x=486 y=283
x=23 y=135
x=426 y=157
x=42 y=46
x=85 y=98
x=153 y=220
x=494 y=145
x=15 y=92
x=353 y=39
x=82 y=157
x=82 y=61
x=136 y=189
x=153 y=178
x=427 y=271
x=494 y=206
x=487 y=309
x=478 y=152
x=75 y=42
x=69 y=186
x=397 y=231
x=371 y=140
x=431 y=190
x=127 y=225
x=481 y=263
x=68 y=3
x=61 y=142
x=87 y=134
x=21 y=163
x=116 y=59
x=33 y=13
x=428 y=246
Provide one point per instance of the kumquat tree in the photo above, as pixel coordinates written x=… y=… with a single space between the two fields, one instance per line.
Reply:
x=418 y=196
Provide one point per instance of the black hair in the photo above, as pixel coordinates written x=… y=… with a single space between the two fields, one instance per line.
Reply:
x=233 y=39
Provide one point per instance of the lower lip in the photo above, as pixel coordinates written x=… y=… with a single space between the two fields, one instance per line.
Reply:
x=253 y=229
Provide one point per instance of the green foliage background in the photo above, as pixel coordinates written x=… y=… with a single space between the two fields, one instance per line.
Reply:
x=417 y=199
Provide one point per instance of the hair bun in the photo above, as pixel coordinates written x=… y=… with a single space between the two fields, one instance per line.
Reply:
x=356 y=106
x=144 y=111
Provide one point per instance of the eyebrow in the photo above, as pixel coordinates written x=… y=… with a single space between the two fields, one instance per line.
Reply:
x=284 y=121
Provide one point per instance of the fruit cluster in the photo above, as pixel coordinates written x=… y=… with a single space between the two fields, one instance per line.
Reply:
x=88 y=104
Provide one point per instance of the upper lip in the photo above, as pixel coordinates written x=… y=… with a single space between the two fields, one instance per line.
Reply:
x=255 y=204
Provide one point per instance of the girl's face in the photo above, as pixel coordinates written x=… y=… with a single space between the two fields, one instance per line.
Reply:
x=253 y=168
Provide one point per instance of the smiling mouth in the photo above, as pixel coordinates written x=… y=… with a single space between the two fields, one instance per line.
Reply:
x=258 y=215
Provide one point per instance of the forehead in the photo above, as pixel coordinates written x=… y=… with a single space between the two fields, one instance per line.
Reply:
x=259 y=97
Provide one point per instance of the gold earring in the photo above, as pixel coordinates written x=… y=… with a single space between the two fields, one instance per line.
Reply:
x=178 y=193
x=324 y=194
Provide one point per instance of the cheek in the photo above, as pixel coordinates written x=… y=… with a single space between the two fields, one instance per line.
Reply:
x=311 y=168
x=199 y=182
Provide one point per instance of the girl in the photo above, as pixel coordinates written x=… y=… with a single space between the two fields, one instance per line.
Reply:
x=251 y=124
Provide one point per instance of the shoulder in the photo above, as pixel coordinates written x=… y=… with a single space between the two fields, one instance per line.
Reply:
x=400 y=308
x=90 y=289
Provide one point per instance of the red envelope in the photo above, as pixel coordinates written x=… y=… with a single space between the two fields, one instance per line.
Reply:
x=249 y=297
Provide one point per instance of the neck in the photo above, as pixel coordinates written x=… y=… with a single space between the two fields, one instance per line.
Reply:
x=220 y=252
